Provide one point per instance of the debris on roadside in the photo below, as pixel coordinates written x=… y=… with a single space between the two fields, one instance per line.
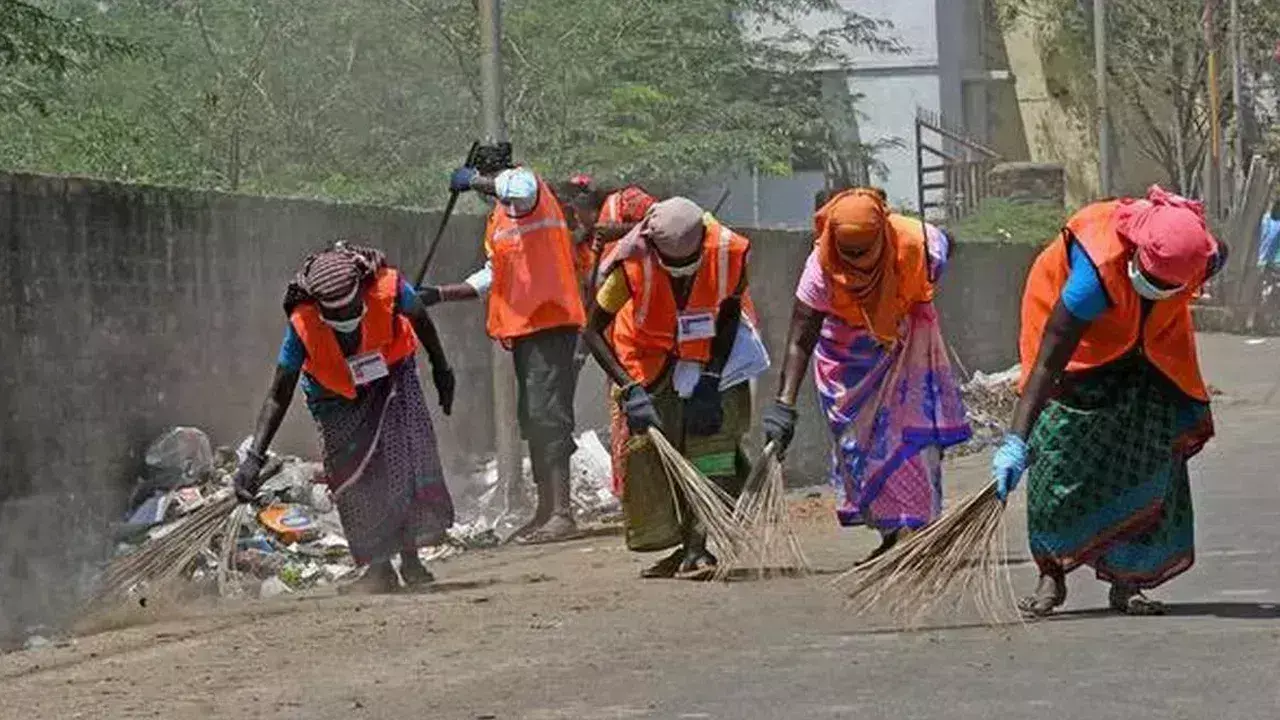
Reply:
x=293 y=540
x=989 y=401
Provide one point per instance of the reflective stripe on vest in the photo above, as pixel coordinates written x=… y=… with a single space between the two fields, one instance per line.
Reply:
x=382 y=330
x=645 y=332
x=535 y=271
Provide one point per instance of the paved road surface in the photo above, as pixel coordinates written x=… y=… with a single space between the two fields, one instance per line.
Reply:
x=568 y=632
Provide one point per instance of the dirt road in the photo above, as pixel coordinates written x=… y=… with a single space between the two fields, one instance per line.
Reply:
x=570 y=632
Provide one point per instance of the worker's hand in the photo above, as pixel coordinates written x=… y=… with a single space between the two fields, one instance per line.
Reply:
x=446 y=383
x=429 y=295
x=703 y=412
x=246 y=477
x=640 y=411
x=1008 y=465
x=780 y=426
x=462 y=179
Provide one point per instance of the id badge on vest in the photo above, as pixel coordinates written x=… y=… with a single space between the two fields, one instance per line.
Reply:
x=367 y=367
x=695 y=326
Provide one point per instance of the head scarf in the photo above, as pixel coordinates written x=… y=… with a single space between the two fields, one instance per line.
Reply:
x=860 y=259
x=674 y=228
x=332 y=278
x=1169 y=234
x=634 y=203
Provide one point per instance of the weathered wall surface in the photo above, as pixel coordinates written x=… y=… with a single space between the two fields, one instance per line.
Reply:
x=125 y=309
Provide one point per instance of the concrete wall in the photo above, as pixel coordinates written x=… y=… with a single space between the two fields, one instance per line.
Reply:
x=125 y=309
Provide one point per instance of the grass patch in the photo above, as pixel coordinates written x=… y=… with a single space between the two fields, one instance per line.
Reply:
x=1000 y=220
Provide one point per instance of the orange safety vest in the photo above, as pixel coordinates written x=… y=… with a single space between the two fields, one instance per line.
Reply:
x=646 y=331
x=535 y=285
x=912 y=267
x=1167 y=338
x=382 y=330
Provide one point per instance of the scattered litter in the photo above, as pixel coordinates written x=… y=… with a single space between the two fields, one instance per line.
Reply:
x=295 y=542
x=290 y=523
x=989 y=400
x=273 y=587
x=1255 y=341
x=36 y=642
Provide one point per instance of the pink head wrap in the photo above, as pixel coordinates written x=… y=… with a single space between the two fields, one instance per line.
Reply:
x=1173 y=241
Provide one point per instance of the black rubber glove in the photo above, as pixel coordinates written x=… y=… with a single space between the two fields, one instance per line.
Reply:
x=780 y=425
x=641 y=414
x=429 y=295
x=703 y=411
x=442 y=377
x=247 y=479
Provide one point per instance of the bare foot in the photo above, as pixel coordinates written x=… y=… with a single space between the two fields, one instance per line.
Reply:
x=697 y=565
x=664 y=568
x=559 y=528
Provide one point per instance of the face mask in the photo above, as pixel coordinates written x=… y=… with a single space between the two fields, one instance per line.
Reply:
x=681 y=271
x=1145 y=287
x=345 y=326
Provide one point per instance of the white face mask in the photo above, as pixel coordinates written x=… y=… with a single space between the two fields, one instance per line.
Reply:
x=1145 y=287
x=345 y=326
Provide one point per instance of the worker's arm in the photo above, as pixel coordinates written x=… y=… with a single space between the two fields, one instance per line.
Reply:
x=274 y=408
x=475 y=287
x=802 y=337
x=1061 y=338
x=593 y=336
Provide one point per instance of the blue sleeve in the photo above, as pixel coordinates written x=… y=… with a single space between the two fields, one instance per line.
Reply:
x=406 y=297
x=1083 y=294
x=292 y=352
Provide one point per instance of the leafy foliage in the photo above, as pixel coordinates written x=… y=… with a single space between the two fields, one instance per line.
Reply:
x=37 y=48
x=1000 y=220
x=375 y=100
x=1158 y=67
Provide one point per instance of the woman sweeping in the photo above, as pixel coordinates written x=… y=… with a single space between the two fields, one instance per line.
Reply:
x=1113 y=403
x=864 y=311
x=354 y=326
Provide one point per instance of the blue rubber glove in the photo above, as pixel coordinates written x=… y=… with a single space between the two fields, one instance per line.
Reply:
x=462 y=178
x=641 y=414
x=1008 y=465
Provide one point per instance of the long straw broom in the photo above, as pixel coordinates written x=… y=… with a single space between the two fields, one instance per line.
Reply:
x=765 y=519
x=162 y=560
x=710 y=504
x=957 y=558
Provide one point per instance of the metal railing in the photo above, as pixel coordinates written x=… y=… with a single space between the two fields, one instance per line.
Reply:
x=957 y=181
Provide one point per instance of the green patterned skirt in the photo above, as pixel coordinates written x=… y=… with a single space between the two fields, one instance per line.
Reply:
x=1108 y=486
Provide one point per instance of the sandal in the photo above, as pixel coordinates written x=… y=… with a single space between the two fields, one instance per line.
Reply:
x=1131 y=601
x=377 y=580
x=701 y=566
x=665 y=568
x=414 y=573
x=1050 y=595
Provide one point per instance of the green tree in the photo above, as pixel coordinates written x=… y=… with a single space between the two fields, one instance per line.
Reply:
x=37 y=48
x=375 y=100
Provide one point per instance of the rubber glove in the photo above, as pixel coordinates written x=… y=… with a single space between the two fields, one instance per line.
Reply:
x=703 y=411
x=429 y=295
x=462 y=178
x=443 y=379
x=780 y=425
x=640 y=411
x=1008 y=465
x=246 y=477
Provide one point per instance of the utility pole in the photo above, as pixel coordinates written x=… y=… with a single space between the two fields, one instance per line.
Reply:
x=1100 y=79
x=1213 y=196
x=506 y=430
x=1237 y=99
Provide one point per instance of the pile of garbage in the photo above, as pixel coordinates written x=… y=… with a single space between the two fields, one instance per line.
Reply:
x=293 y=539
x=989 y=401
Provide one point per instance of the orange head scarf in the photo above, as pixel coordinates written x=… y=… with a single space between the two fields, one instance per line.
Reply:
x=860 y=260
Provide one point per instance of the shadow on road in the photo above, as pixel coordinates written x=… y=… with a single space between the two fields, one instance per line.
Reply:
x=1224 y=610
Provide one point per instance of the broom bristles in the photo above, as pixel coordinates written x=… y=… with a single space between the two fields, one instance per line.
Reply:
x=709 y=503
x=958 y=557
x=765 y=518
x=160 y=561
